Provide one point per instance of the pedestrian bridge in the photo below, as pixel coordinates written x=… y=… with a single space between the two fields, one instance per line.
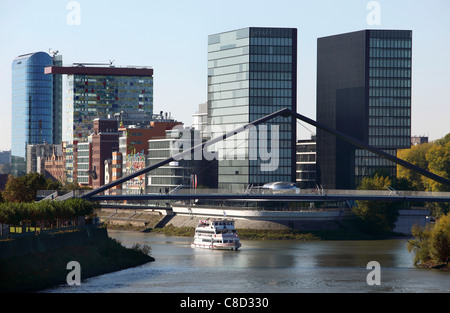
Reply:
x=301 y=195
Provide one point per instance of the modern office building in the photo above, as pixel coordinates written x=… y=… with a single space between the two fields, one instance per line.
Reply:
x=418 y=140
x=98 y=91
x=252 y=72
x=133 y=147
x=364 y=91
x=306 y=163
x=83 y=164
x=188 y=172
x=105 y=141
x=200 y=120
x=35 y=106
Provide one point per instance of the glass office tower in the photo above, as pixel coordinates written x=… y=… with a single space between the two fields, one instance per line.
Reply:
x=32 y=106
x=252 y=72
x=94 y=91
x=363 y=90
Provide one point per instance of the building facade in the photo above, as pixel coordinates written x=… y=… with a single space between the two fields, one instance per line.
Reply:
x=105 y=141
x=306 y=163
x=35 y=106
x=364 y=91
x=252 y=72
x=99 y=91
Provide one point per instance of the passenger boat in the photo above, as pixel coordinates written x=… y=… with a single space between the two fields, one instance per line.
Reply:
x=216 y=234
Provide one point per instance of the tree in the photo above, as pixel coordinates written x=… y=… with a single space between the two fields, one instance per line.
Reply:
x=431 y=244
x=25 y=188
x=438 y=158
x=416 y=156
x=377 y=217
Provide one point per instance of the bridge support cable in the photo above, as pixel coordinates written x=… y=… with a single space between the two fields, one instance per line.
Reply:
x=179 y=156
x=372 y=149
x=284 y=113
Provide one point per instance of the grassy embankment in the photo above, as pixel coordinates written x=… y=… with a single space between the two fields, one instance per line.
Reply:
x=348 y=231
x=43 y=270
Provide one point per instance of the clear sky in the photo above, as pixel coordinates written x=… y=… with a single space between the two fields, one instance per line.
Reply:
x=171 y=36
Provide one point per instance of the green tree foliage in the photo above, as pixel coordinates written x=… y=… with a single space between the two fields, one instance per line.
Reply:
x=433 y=157
x=377 y=217
x=431 y=244
x=416 y=156
x=44 y=212
x=25 y=188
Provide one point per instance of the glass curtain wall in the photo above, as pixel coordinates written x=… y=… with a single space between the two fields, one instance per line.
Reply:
x=389 y=78
x=32 y=106
x=252 y=73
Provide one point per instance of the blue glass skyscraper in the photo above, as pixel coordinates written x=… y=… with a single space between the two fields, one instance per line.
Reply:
x=32 y=106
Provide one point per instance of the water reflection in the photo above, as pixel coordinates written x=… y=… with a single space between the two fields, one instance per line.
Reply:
x=266 y=266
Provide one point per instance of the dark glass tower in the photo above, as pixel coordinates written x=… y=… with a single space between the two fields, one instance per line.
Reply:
x=363 y=90
x=252 y=72
x=32 y=106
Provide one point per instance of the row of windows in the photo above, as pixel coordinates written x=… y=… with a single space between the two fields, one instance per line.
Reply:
x=399 y=142
x=306 y=157
x=270 y=84
x=390 y=82
x=390 y=73
x=306 y=176
x=389 y=121
x=271 y=67
x=389 y=111
x=372 y=161
x=116 y=80
x=165 y=181
x=306 y=167
x=228 y=53
x=270 y=58
x=390 y=63
x=159 y=145
x=306 y=148
x=390 y=43
x=240 y=93
x=390 y=92
x=277 y=93
x=390 y=131
x=257 y=102
x=271 y=76
x=228 y=86
x=390 y=53
x=280 y=50
x=393 y=102
x=237 y=68
x=264 y=41
x=228 y=78
x=284 y=175
x=365 y=153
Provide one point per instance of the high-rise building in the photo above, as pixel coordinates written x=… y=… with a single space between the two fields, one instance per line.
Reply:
x=105 y=141
x=35 y=106
x=99 y=91
x=252 y=72
x=306 y=163
x=364 y=91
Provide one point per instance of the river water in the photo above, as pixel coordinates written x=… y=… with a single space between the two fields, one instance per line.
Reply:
x=266 y=267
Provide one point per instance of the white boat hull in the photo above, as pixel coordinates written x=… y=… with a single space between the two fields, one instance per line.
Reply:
x=216 y=246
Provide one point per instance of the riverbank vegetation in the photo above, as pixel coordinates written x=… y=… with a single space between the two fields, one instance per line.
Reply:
x=45 y=214
x=351 y=230
x=39 y=271
x=376 y=217
x=431 y=244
